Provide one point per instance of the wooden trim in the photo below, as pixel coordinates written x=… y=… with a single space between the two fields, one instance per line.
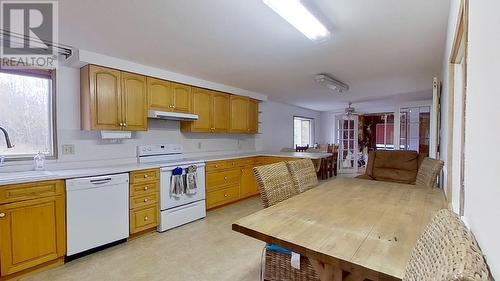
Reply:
x=457 y=55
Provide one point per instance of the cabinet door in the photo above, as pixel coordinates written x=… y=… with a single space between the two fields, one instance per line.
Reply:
x=253 y=116
x=134 y=102
x=32 y=232
x=202 y=106
x=182 y=98
x=238 y=119
x=159 y=94
x=248 y=185
x=105 y=98
x=220 y=115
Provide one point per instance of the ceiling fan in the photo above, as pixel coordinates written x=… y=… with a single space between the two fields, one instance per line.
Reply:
x=350 y=111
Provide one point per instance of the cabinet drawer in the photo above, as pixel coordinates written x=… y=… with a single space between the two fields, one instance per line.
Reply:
x=26 y=191
x=142 y=219
x=223 y=196
x=220 y=179
x=143 y=201
x=215 y=166
x=246 y=162
x=142 y=189
x=144 y=176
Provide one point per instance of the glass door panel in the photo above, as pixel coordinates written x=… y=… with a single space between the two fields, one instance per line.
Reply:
x=347 y=136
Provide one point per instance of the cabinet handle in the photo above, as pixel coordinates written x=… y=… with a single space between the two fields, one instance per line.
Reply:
x=124 y=124
x=2 y=215
x=121 y=124
x=145 y=200
x=225 y=195
x=146 y=176
x=216 y=166
x=146 y=187
x=225 y=178
x=146 y=218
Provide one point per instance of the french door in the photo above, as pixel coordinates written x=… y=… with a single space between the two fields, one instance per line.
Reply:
x=347 y=138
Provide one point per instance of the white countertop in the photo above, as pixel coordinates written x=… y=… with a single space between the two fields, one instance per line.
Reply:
x=267 y=153
x=56 y=174
x=33 y=176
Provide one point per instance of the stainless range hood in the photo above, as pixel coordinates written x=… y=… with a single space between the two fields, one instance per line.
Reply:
x=155 y=114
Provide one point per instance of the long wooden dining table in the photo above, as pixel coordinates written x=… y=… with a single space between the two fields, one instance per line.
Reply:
x=367 y=228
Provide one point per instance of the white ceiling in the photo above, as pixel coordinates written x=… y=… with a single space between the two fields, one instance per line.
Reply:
x=380 y=48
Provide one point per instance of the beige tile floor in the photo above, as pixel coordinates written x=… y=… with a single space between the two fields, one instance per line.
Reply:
x=203 y=250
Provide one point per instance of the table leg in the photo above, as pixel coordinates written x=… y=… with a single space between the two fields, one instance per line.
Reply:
x=326 y=272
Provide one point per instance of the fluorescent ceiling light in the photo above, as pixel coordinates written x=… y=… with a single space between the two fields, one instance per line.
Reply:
x=294 y=12
x=331 y=83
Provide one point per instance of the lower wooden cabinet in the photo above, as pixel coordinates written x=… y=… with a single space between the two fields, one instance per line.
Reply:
x=144 y=200
x=32 y=227
x=228 y=181
x=248 y=186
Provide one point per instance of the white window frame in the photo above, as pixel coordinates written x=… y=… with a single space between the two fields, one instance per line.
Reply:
x=52 y=110
x=311 y=129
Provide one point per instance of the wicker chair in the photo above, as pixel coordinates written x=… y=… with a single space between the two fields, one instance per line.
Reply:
x=303 y=174
x=428 y=172
x=446 y=251
x=276 y=185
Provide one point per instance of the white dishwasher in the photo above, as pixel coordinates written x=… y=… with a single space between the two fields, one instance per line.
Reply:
x=97 y=211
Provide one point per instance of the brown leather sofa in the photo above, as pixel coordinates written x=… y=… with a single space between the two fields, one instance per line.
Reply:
x=393 y=166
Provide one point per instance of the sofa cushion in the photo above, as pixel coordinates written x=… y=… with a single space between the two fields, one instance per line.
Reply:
x=396 y=166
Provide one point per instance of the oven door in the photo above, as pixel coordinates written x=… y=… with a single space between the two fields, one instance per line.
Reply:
x=169 y=200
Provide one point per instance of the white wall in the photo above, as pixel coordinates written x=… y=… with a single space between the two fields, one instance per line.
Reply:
x=276 y=126
x=482 y=192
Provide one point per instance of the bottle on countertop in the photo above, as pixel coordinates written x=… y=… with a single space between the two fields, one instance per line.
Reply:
x=39 y=161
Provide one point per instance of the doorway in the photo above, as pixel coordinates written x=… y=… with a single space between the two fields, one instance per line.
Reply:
x=347 y=138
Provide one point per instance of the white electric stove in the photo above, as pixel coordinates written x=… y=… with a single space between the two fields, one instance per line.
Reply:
x=175 y=209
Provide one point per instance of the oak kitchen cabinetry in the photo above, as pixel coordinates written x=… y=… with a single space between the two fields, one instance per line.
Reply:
x=112 y=99
x=212 y=109
x=168 y=96
x=228 y=181
x=243 y=115
x=144 y=200
x=118 y=101
x=32 y=227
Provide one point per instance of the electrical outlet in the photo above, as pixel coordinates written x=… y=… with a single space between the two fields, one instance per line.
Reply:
x=68 y=149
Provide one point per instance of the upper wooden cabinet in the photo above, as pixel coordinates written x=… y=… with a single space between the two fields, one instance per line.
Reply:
x=212 y=109
x=134 y=102
x=117 y=100
x=244 y=115
x=182 y=98
x=159 y=94
x=220 y=115
x=239 y=114
x=253 y=116
x=168 y=96
x=112 y=99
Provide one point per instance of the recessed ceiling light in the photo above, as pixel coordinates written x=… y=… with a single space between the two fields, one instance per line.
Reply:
x=295 y=13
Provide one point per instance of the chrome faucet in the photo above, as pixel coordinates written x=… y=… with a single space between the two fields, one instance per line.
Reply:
x=7 y=139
